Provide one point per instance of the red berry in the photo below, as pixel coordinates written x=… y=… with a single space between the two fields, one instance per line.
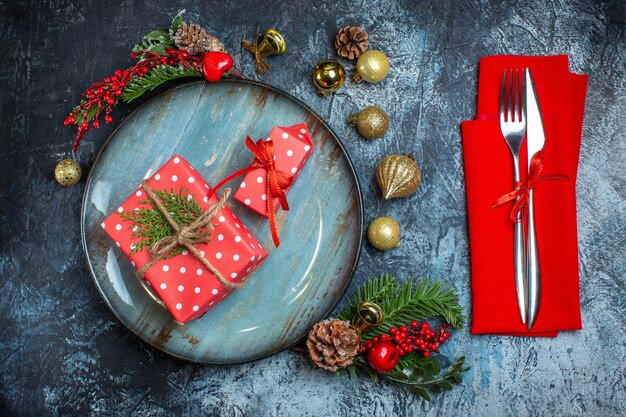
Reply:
x=393 y=331
x=383 y=356
x=384 y=337
x=414 y=323
x=441 y=339
x=375 y=339
x=403 y=329
x=425 y=326
x=96 y=124
x=108 y=119
x=446 y=334
x=426 y=354
x=409 y=349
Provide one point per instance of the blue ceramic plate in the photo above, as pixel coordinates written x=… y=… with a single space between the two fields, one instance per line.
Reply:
x=297 y=285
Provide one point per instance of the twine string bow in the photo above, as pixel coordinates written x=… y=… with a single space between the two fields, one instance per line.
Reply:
x=276 y=182
x=261 y=64
x=521 y=193
x=198 y=231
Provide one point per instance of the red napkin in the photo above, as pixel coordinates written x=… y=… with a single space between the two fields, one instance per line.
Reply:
x=489 y=175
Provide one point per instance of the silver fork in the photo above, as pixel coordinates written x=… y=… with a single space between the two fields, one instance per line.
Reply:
x=513 y=128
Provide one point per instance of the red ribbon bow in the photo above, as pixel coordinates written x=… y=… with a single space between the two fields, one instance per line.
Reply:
x=277 y=181
x=521 y=194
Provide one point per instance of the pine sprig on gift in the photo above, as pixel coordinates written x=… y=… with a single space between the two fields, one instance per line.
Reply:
x=151 y=226
x=407 y=301
x=418 y=373
x=157 y=76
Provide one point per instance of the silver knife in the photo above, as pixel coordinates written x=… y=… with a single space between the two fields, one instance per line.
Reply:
x=535 y=139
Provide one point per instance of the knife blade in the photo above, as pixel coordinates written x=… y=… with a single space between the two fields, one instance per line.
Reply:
x=535 y=141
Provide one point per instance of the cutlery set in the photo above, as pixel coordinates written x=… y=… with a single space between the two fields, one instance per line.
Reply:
x=520 y=116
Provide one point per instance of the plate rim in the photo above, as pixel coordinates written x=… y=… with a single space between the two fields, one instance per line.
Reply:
x=84 y=202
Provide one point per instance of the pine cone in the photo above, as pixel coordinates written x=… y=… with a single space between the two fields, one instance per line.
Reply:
x=351 y=42
x=333 y=344
x=194 y=39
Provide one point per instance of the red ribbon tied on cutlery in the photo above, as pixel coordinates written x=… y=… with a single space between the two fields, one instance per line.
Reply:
x=277 y=181
x=521 y=193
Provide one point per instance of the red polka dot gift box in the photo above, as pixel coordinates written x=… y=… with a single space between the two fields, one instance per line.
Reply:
x=292 y=147
x=182 y=281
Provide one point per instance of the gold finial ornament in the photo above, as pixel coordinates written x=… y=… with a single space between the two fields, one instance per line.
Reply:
x=67 y=172
x=368 y=315
x=270 y=43
x=328 y=76
x=372 y=122
x=398 y=176
x=372 y=66
x=384 y=233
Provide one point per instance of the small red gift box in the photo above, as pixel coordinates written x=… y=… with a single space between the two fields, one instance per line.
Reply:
x=186 y=287
x=292 y=148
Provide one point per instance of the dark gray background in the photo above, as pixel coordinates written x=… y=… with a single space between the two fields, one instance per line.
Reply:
x=63 y=352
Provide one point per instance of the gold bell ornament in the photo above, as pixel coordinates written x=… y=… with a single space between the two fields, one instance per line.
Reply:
x=67 y=172
x=368 y=316
x=271 y=43
x=384 y=233
x=328 y=76
x=372 y=67
x=372 y=122
x=398 y=176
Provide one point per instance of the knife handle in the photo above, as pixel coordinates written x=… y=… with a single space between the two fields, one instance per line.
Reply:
x=533 y=269
x=521 y=282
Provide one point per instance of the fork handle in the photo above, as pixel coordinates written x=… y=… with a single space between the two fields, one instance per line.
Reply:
x=519 y=254
x=533 y=269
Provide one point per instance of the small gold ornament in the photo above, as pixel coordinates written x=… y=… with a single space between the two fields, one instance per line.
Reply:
x=384 y=233
x=398 y=176
x=372 y=66
x=271 y=43
x=372 y=122
x=368 y=316
x=67 y=172
x=328 y=76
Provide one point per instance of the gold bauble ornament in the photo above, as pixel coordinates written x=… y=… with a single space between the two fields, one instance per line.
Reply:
x=398 y=176
x=384 y=233
x=328 y=76
x=67 y=172
x=372 y=122
x=372 y=67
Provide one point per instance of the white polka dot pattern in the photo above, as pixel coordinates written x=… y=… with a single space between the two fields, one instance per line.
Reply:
x=181 y=282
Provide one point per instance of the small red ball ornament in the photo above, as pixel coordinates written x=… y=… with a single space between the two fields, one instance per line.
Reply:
x=383 y=356
x=214 y=64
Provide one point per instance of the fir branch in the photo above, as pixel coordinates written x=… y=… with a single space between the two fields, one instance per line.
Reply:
x=375 y=290
x=403 y=302
x=157 y=76
x=151 y=225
